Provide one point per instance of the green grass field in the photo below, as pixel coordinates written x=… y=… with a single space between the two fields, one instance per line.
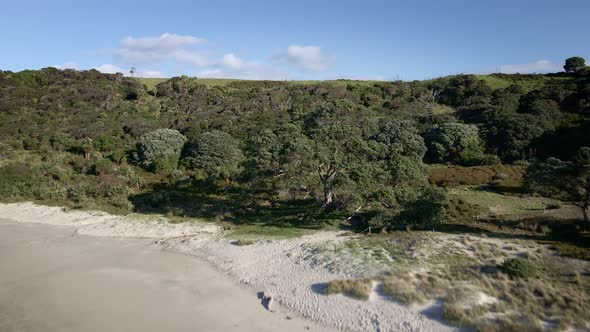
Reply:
x=501 y=203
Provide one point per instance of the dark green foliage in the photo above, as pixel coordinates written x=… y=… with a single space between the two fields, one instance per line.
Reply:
x=401 y=138
x=298 y=152
x=454 y=142
x=215 y=152
x=160 y=150
x=521 y=268
x=511 y=135
x=574 y=64
x=62 y=142
x=461 y=90
x=18 y=180
x=566 y=180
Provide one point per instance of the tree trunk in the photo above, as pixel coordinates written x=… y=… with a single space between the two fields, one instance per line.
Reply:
x=328 y=196
x=586 y=217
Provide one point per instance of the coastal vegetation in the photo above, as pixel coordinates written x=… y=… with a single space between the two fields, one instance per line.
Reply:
x=501 y=156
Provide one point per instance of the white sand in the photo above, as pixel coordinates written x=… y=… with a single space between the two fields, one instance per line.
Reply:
x=280 y=268
x=52 y=281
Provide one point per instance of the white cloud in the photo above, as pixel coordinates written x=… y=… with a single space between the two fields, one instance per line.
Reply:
x=67 y=65
x=155 y=49
x=191 y=58
x=212 y=73
x=359 y=78
x=541 y=66
x=149 y=73
x=166 y=41
x=258 y=72
x=231 y=66
x=108 y=68
x=308 y=58
x=180 y=53
x=232 y=61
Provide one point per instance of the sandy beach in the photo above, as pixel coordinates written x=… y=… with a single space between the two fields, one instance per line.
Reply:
x=51 y=280
x=90 y=271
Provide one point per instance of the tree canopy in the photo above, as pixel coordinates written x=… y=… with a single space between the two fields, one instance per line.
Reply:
x=567 y=180
x=356 y=148
x=215 y=152
x=574 y=64
x=160 y=149
x=454 y=142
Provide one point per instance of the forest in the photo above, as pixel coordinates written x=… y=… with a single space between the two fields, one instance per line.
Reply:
x=376 y=156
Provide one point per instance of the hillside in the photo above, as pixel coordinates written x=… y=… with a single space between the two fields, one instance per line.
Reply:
x=498 y=156
x=86 y=126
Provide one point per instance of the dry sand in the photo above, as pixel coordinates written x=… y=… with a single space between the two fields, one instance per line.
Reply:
x=108 y=282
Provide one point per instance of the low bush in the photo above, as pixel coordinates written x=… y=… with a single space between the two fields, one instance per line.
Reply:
x=18 y=180
x=521 y=268
x=357 y=288
x=6 y=151
x=403 y=288
x=121 y=202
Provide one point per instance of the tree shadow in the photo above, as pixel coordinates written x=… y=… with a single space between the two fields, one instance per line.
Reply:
x=233 y=204
x=319 y=288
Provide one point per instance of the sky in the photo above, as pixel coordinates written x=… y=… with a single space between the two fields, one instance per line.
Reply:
x=295 y=40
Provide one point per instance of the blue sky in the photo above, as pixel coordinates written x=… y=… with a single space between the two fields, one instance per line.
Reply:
x=302 y=39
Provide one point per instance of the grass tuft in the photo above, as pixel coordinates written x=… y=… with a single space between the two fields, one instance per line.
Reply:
x=243 y=242
x=357 y=288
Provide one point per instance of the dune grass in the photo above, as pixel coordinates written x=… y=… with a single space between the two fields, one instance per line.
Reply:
x=466 y=275
x=357 y=288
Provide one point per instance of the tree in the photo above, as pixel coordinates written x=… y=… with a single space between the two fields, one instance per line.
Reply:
x=567 y=180
x=454 y=142
x=401 y=138
x=574 y=64
x=216 y=153
x=332 y=154
x=160 y=149
x=510 y=135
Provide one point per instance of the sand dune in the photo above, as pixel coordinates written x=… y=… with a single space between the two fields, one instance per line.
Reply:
x=94 y=275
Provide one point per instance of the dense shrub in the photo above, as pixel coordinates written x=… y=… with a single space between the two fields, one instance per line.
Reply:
x=6 y=151
x=18 y=180
x=62 y=142
x=520 y=267
x=160 y=150
x=454 y=142
x=215 y=152
x=401 y=138
x=102 y=167
x=354 y=147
